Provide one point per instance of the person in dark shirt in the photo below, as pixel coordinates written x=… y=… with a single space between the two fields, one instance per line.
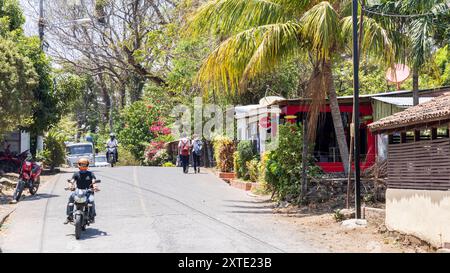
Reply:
x=84 y=180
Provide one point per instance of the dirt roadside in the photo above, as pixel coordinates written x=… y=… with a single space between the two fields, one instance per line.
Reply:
x=326 y=232
x=318 y=222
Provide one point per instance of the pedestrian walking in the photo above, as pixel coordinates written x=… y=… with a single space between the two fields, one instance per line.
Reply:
x=197 y=146
x=184 y=147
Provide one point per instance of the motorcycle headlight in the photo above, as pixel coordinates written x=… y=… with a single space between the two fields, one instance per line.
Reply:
x=80 y=196
x=80 y=199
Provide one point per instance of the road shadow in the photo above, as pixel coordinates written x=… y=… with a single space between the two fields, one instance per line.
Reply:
x=252 y=207
x=8 y=199
x=38 y=196
x=90 y=233
x=48 y=172
x=250 y=202
x=251 y=211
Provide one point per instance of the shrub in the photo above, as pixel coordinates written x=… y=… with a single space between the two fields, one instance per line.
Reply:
x=236 y=163
x=54 y=153
x=253 y=170
x=224 y=148
x=155 y=154
x=284 y=164
x=262 y=166
x=126 y=158
x=168 y=164
x=246 y=152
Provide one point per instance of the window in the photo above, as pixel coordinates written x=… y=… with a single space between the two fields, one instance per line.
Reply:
x=81 y=149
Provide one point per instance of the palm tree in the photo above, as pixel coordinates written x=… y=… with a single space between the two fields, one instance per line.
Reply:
x=412 y=34
x=260 y=34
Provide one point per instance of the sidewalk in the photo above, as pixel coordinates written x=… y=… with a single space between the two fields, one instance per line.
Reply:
x=6 y=209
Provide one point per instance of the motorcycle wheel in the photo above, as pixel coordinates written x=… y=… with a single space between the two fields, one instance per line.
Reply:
x=18 y=191
x=78 y=226
x=111 y=160
x=35 y=187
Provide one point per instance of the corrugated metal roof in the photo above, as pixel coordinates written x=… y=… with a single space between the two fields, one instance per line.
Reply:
x=401 y=101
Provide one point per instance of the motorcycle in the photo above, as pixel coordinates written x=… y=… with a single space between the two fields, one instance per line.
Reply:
x=29 y=178
x=111 y=152
x=10 y=162
x=82 y=209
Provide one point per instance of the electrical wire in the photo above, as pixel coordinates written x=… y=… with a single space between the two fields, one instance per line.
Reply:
x=368 y=10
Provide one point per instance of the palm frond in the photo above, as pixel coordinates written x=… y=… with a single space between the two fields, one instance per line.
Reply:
x=296 y=7
x=246 y=54
x=421 y=42
x=231 y=16
x=321 y=27
x=375 y=40
x=280 y=41
x=223 y=68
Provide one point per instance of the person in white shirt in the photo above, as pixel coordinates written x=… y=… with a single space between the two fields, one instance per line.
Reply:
x=184 y=148
x=112 y=143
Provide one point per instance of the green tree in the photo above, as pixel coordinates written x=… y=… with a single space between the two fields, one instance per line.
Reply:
x=134 y=129
x=371 y=77
x=78 y=95
x=11 y=17
x=258 y=35
x=46 y=107
x=442 y=61
x=17 y=80
x=413 y=36
x=45 y=110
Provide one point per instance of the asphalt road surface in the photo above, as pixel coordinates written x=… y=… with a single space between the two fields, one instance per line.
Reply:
x=147 y=209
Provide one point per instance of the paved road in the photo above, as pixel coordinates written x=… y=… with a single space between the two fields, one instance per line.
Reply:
x=145 y=209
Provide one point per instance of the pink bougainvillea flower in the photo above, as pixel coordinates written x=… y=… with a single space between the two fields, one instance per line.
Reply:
x=166 y=131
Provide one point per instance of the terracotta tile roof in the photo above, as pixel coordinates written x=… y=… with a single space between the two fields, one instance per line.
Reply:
x=437 y=109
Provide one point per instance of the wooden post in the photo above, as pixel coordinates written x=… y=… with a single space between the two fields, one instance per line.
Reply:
x=416 y=135
x=403 y=137
x=433 y=133
x=304 y=184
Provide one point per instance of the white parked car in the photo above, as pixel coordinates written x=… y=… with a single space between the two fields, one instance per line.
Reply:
x=100 y=161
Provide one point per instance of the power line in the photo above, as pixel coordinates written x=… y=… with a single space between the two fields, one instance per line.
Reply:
x=386 y=14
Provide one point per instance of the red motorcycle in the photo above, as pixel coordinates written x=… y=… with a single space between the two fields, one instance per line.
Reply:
x=29 y=178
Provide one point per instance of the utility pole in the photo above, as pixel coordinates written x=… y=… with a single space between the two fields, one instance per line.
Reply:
x=304 y=185
x=41 y=23
x=356 y=109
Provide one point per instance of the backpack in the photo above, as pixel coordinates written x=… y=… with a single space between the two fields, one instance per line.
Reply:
x=185 y=148
x=198 y=145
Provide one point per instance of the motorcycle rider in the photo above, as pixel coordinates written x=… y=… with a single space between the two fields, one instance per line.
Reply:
x=112 y=143
x=84 y=179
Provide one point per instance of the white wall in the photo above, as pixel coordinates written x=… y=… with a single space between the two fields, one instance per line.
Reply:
x=24 y=141
x=424 y=214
